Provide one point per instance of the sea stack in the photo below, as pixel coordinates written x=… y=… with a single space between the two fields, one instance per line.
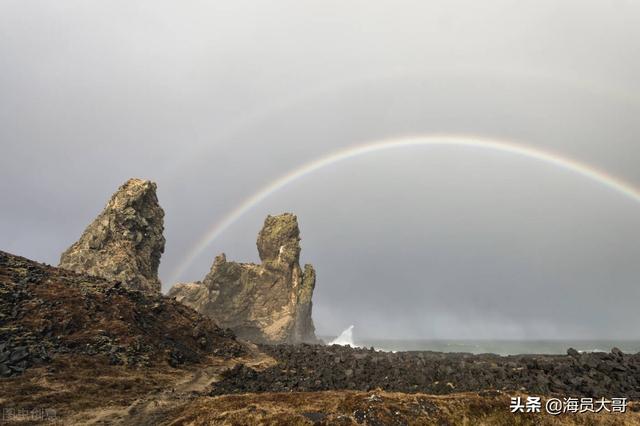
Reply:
x=268 y=302
x=125 y=242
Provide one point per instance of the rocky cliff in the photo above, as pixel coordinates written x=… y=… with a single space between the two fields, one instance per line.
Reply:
x=267 y=302
x=125 y=242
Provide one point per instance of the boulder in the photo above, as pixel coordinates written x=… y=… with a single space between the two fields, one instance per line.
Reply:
x=125 y=242
x=268 y=302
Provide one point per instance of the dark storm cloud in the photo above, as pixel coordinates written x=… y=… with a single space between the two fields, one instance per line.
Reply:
x=213 y=101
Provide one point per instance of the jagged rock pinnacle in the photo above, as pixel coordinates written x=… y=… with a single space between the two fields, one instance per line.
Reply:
x=270 y=302
x=279 y=239
x=125 y=241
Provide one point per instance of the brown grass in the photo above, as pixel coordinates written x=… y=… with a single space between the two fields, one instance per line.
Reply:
x=83 y=383
x=87 y=390
x=373 y=408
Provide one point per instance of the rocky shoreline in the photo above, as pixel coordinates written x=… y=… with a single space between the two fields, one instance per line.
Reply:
x=321 y=368
x=125 y=356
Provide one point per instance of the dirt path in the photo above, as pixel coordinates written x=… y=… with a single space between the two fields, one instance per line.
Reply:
x=152 y=409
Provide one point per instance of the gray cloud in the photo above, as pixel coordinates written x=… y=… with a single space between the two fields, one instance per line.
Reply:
x=214 y=100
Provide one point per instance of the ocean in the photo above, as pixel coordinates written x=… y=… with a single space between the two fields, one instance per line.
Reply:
x=499 y=347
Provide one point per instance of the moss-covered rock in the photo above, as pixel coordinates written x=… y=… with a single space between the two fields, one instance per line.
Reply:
x=269 y=302
x=125 y=242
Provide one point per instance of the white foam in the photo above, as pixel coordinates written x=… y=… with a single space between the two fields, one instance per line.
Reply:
x=345 y=338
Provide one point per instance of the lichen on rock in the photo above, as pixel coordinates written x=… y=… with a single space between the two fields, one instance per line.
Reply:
x=267 y=302
x=125 y=242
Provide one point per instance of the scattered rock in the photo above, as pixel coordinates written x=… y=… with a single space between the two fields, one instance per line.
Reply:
x=19 y=353
x=46 y=312
x=269 y=302
x=323 y=368
x=314 y=416
x=125 y=242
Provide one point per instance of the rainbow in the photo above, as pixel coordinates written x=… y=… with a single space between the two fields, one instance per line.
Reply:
x=537 y=154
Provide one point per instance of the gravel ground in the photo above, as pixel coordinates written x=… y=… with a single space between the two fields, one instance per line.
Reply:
x=319 y=367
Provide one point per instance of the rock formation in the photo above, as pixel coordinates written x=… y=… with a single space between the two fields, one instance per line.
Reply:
x=269 y=302
x=125 y=242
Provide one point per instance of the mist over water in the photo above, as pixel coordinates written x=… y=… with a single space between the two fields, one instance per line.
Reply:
x=481 y=346
x=502 y=347
x=345 y=338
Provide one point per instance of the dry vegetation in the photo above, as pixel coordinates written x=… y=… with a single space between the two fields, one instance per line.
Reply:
x=85 y=392
x=373 y=408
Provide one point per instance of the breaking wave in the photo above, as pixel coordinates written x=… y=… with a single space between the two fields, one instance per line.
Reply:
x=345 y=338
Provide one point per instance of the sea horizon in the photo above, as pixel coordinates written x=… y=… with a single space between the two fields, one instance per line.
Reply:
x=496 y=346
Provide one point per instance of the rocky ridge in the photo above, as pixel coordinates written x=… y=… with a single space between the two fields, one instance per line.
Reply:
x=267 y=302
x=47 y=312
x=125 y=242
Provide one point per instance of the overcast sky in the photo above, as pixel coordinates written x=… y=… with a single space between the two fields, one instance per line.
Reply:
x=213 y=100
